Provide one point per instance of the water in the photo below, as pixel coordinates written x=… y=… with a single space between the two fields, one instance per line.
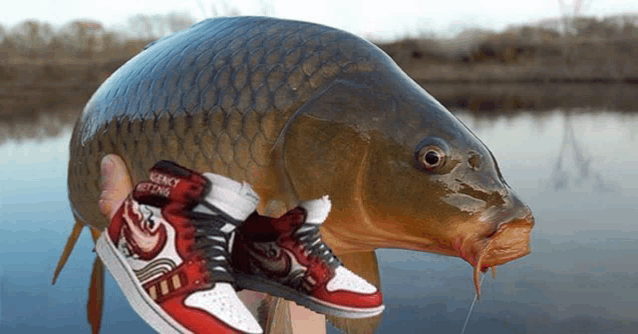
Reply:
x=582 y=273
x=576 y=169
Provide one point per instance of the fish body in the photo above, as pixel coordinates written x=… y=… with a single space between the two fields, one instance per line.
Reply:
x=301 y=110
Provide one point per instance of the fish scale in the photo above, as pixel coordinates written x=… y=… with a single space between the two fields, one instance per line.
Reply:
x=235 y=90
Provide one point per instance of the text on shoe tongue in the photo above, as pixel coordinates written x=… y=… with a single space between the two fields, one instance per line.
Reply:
x=154 y=189
x=164 y=179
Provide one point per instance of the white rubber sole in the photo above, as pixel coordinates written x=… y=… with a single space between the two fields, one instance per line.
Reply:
x=255 y=283
x=145 y=307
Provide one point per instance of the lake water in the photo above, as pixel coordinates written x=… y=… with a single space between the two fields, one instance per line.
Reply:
x=577 y=170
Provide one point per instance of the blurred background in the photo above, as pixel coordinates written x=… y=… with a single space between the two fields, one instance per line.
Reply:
x=550 y=86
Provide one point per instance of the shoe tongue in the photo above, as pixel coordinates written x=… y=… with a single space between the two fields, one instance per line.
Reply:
x=317 y=210
x=236 y=199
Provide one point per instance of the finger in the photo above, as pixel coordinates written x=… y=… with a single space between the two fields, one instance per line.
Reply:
x=116 y=184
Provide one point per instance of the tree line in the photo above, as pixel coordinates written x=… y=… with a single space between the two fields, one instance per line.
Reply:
x=86 y=39
x=91 y=40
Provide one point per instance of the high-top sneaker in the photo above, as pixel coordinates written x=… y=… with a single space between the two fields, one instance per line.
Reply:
x=286 y=257
x=168 y=249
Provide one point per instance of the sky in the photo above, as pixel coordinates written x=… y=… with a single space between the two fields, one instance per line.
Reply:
x=368 y=18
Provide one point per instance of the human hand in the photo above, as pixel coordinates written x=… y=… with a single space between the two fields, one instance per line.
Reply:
x=116 y=184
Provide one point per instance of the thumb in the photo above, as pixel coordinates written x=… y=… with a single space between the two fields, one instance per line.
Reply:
x=115 y=184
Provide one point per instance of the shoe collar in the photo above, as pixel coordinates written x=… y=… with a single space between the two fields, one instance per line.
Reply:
x=317 y=210
x=237 y=199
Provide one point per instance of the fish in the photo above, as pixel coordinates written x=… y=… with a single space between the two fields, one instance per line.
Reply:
x=300 y=110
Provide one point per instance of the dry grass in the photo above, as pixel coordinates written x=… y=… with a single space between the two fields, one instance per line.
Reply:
x=603 y=61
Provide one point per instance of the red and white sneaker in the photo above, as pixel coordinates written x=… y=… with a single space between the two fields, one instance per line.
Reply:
x=286 y=257
x=168 y=249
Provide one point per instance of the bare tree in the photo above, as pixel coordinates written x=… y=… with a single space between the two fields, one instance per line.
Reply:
x=142 y=25
x=178 y=21
x=219 y=8
x=266 y=7
x=570 y=11
x=561 y=176
x=30 y=37
x=85 y=36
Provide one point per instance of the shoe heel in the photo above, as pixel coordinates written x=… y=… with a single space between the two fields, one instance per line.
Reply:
x=143 y=305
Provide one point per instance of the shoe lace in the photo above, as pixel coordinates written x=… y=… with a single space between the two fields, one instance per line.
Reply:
x=310 y=236
x=214 y=241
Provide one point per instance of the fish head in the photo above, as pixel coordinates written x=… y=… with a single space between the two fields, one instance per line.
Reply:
x=443 y=192
x=439 y=187
x=404 y=172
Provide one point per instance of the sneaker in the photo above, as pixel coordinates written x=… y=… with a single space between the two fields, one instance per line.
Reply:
x=286 y=257
x=168 y=249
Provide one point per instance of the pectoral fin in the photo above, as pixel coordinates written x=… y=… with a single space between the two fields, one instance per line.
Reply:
x=278 y=317
x=96 y=291
x=68 y=248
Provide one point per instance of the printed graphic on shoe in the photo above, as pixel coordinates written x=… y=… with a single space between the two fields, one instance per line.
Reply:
x=286 y=257
x=168 y=249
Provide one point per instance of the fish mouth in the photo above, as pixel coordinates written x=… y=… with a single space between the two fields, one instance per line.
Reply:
x=510 y=241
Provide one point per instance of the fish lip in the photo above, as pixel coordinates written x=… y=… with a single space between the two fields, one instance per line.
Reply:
x=507 y=241
x=476 y=250
x=527 y=220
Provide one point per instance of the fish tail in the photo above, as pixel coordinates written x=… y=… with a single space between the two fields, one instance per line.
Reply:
x=95 y=303
x=68 y=248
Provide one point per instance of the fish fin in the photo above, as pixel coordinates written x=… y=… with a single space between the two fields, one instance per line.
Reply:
x=365 y=265
x=68 y=248
x=96 y=290
x=278 y=317
x=96 y=294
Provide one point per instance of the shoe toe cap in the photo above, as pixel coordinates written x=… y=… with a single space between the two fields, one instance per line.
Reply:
x=349 y=289
x=346 y=280
x=224 y=304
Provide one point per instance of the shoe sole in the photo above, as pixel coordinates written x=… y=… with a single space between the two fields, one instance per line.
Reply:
x=145 y=307
x=255 y=283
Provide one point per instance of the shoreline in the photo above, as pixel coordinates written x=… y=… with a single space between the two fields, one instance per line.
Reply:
x=30 y=87
x=20 y=72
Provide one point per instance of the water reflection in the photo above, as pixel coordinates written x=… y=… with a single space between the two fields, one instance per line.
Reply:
x=581 y=274
x=40 y=125
x=576 y=169
x=562 y=176
x=490 y=102
x=505 y=98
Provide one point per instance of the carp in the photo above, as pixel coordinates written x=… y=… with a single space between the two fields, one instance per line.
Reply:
x=301 y=110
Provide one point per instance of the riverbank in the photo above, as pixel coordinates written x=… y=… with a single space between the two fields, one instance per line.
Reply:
x=515 y=58
x=31 y=87
x=36 y=86
x=489 y=101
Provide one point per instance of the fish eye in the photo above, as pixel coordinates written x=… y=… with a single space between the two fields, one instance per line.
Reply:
x=432 y=157
x=430 y=154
